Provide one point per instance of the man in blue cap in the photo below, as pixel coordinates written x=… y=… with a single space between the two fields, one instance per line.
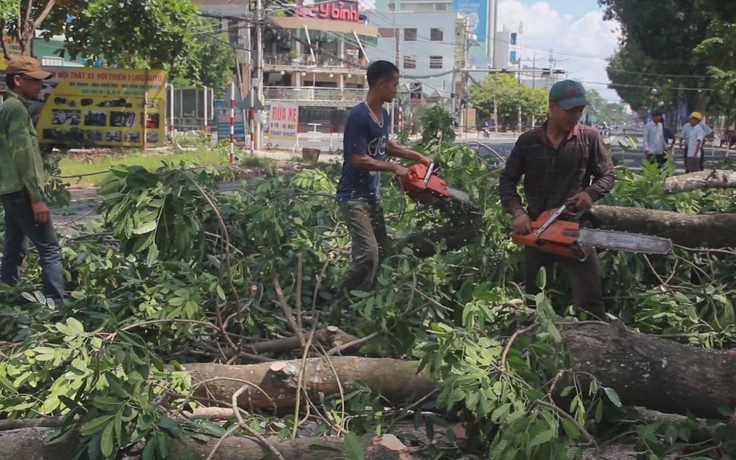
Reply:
x=561 y=162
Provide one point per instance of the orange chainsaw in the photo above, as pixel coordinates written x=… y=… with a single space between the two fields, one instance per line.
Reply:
x=424 y=185
x=464 y=222
x=558 y=232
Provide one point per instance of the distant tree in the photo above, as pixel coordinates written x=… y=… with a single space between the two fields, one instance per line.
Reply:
x=153 y=34
x=215 y=64
x=509 y=97
x=657 y=51
x=19 y=19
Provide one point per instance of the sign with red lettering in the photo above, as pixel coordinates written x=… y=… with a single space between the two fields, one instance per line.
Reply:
x=335 y=10
x=283 y=121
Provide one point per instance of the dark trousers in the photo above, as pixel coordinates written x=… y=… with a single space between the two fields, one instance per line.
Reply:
x=367 y=229
x=585 y=277
x=660 y=159
x=20 y=227
x=684 y=159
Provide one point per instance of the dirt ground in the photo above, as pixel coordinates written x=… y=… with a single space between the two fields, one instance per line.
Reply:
x=84 y=198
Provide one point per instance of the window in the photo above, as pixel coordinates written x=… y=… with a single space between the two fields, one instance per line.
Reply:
x=440 y=7
x=410 y=35
x=435 y=62
x=435 y=35
x=410 y=62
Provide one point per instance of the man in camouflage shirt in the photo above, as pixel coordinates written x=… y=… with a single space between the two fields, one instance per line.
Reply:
x=27 y=216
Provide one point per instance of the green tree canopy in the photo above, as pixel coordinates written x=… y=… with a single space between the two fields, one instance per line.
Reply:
x=509 y=98
x=143 y=34
x=689 y=57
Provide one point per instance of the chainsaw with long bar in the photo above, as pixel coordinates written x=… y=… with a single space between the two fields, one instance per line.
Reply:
x=558 y=232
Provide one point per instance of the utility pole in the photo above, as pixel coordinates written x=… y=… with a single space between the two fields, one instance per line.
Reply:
x=258 y=87
x=397 y=37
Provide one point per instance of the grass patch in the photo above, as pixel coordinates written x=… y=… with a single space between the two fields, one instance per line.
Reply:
x=91 y=167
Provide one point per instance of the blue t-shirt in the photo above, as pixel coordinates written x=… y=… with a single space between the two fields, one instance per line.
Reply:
x=362 y=135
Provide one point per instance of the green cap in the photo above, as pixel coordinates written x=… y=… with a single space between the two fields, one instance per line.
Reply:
x=568 y=94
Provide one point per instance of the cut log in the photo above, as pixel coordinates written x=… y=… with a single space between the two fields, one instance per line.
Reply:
x=27 y=443
x=699 y=180
x=643 y=369
x=273 y=385
x=653 y=372
x=690 y=230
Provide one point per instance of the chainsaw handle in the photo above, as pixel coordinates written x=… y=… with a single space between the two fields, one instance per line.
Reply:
x=430 y=170
x=551 y=220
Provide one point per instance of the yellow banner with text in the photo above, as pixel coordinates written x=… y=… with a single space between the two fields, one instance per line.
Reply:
x=98 y=107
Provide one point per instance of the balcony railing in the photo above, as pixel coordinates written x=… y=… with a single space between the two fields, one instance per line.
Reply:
x=306 y=60
x=286 y=93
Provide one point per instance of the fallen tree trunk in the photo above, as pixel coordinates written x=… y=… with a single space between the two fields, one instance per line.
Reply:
x=689 y=230
x=643 y=369
x=652 y=372
x=699 y=180
x=28 y=443
x=274 y=385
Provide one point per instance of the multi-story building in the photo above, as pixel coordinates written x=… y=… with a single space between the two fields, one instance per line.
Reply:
x=428 y=47
x=311 y=54
x=481 y=16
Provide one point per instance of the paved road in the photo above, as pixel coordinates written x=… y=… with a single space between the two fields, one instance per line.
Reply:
x=631 y=157
x=84 y=198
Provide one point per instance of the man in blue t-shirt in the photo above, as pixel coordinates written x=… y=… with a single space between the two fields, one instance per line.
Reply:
x=365 y=145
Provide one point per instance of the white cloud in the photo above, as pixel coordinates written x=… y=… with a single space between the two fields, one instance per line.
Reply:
x=578 y=45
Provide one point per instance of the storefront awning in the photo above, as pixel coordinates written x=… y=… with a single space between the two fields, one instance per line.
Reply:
x=345 y=27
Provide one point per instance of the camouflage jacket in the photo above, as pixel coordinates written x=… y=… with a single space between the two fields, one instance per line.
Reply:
x=21 y=165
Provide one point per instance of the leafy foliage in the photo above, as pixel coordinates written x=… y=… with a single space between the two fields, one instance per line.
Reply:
x=509 y=98
x=437 y=125
x=184 y=272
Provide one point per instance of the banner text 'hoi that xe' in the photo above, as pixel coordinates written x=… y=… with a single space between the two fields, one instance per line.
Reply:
x=87 y=107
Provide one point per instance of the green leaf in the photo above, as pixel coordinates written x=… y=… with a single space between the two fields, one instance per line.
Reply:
x=150 y=450
x=353 y=448
x=541 y=438
x=147 y=227
x=75 y=325
x=106 y=403
x=106 y=443
x=94 y=425
x=571 y=430
x=613 y=396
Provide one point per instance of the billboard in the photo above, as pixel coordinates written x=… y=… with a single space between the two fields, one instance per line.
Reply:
x=338 y=10
x=477 y=13
x=93 y=107
x=283 y=121
x=222 y=117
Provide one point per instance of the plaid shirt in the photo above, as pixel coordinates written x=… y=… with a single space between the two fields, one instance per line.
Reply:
x=552 y=175
x=21 y=165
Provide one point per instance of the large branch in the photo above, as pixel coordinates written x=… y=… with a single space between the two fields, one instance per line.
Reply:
x=45 y=12
x=28 y=443
x=644 y=370
x=274 y=385
x=699 y=180
x=649 y=371
x=690 y=230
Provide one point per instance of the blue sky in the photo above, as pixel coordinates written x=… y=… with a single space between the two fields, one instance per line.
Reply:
x=566 y=34
x=575 y=8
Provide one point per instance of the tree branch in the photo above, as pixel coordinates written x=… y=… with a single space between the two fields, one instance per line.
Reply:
x=45 y=12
